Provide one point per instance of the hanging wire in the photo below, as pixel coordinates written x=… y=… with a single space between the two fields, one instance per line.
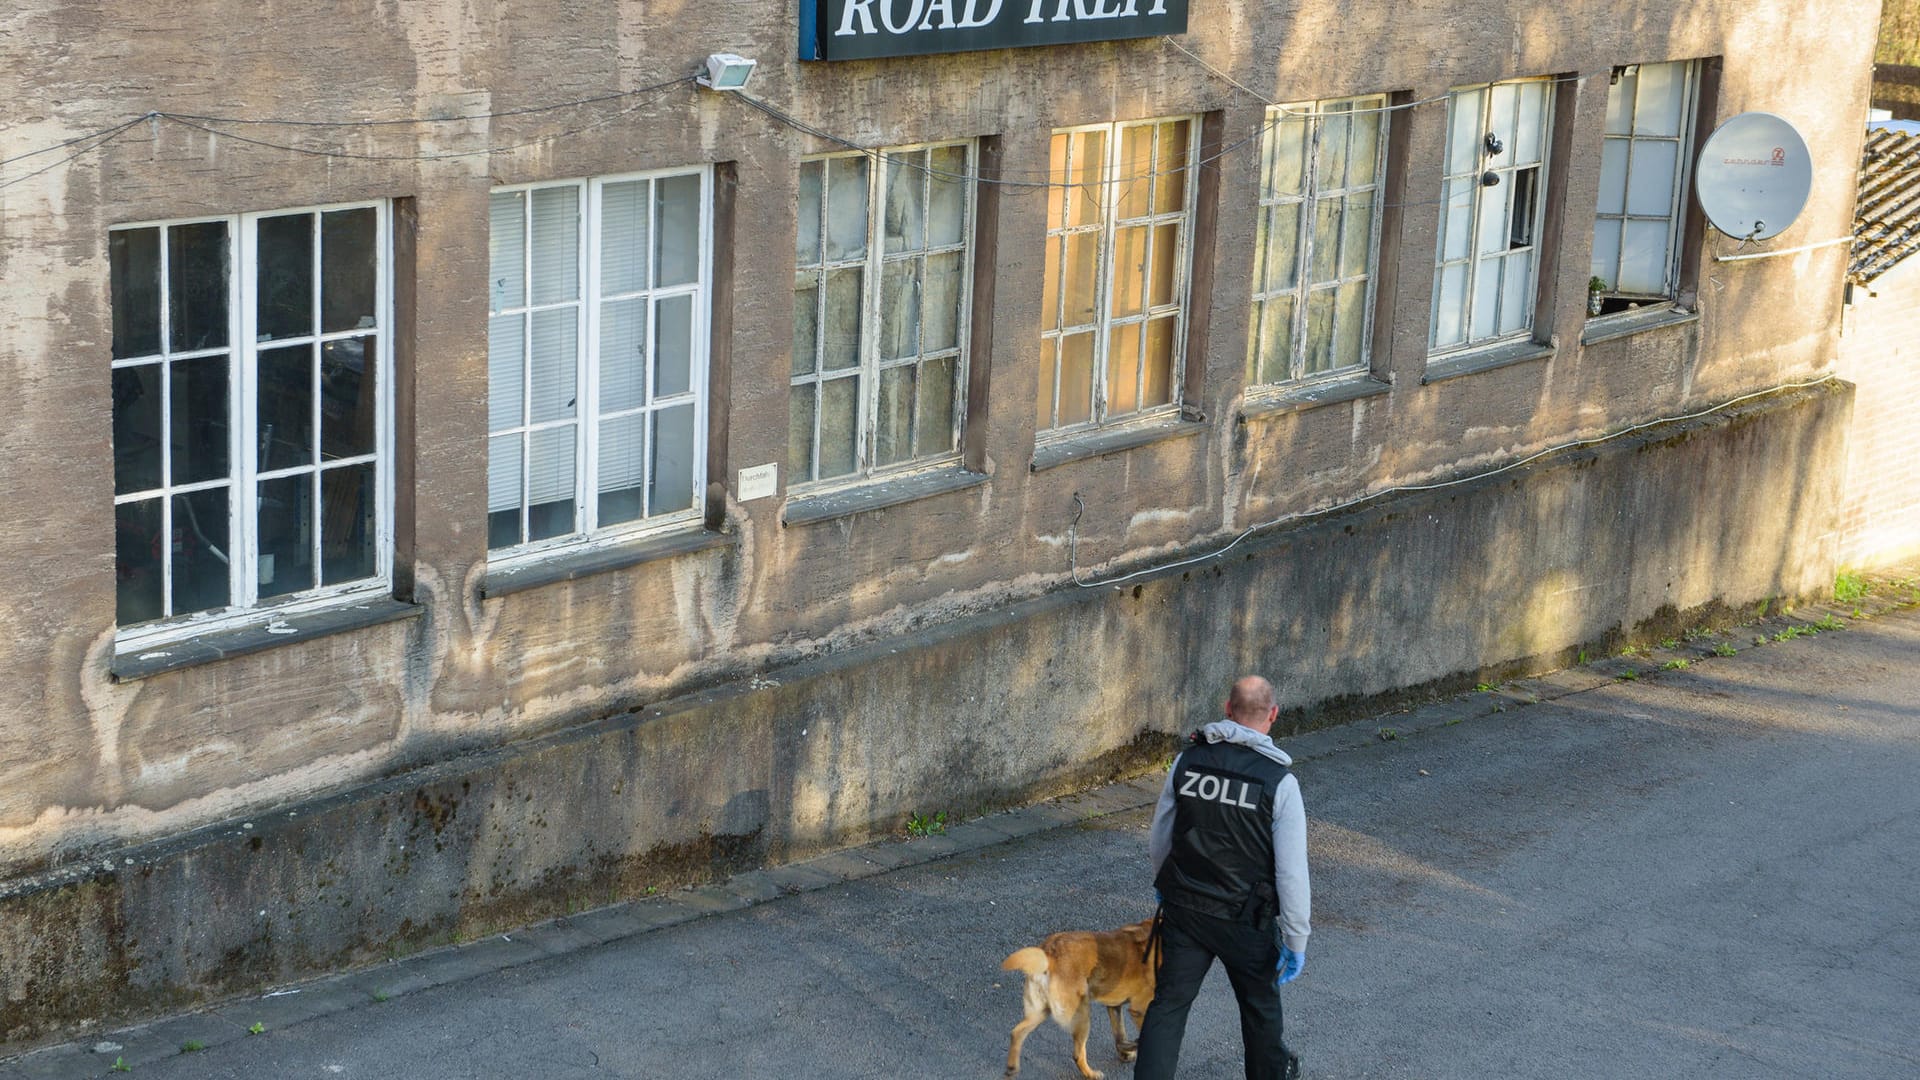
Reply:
x=497 y=114
x=103 y=137
x=1073 y=539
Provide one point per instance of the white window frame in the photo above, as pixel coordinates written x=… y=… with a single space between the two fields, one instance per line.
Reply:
x=1313 y=115
x=873 y=282
x=1104 y=319
x=242 y=481
x=1676 y=215
x=587 y=532
x=1502 y=164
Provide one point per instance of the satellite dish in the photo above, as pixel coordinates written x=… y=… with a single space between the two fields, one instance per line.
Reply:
x=1754 y=176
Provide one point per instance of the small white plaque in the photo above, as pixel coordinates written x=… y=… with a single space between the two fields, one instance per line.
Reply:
x=759 y=481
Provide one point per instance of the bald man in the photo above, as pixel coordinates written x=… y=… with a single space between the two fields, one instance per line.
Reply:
x=1229 y=850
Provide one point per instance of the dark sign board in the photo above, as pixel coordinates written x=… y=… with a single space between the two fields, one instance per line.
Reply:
x=862 y=29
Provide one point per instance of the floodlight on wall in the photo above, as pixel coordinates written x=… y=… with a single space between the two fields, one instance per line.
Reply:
x=726 y=71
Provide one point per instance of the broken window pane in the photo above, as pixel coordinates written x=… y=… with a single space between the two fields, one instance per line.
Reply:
x=1088 y=177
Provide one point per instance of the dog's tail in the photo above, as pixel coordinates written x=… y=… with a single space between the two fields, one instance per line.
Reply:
x=1030 y=961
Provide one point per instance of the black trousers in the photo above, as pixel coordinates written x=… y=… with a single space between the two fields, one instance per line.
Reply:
x=1189 y=943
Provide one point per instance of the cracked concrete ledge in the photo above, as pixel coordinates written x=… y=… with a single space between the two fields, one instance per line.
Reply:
x=1889 y=590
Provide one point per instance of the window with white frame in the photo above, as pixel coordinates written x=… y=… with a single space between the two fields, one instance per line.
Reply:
x=879 y=311
x=596 y=357
x=1322 y=168
x=1643 y=170
x=250 y=412
x=1113 y=307
x=1493 y=204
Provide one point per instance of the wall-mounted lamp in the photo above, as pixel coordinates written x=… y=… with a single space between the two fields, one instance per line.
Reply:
x=1489 y=179
x=726 y=71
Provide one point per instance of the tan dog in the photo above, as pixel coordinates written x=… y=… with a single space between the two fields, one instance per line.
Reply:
x=1075 y=968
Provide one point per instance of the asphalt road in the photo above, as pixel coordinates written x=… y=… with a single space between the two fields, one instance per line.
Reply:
x=1712 y=873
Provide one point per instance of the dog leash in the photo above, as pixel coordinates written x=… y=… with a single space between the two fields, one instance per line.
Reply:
x=1150 y=956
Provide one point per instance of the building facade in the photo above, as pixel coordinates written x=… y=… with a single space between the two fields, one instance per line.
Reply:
x=462 y=463
x=1878 y=354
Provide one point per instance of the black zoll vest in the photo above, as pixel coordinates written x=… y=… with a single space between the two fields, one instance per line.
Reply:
x=1221 y=862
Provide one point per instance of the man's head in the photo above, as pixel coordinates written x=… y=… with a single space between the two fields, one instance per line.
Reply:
x=1250 y=703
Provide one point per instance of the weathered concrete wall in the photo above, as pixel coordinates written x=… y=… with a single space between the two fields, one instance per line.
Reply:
x=1425 y=590
x=86 y=761
x=1880 y=354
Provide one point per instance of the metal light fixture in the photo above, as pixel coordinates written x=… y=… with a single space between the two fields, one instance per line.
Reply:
x=1494 y=145
x=726 y=71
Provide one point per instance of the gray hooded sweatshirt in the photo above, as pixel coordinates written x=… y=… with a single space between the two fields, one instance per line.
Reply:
x=1289 y=832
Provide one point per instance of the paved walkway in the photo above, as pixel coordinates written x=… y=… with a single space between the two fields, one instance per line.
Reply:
x=1678 y=864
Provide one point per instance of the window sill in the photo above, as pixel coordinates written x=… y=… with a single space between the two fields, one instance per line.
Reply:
x=1486 y=359
x=806 y=508
x=1293 y=397
x=586 y=562
x=1620 y=324
x=288 y=629
x=1092 y=444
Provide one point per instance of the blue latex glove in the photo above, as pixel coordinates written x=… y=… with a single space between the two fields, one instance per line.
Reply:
x=1289 y=967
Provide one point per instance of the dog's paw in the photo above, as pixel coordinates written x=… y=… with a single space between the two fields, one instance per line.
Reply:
x=1012 y=1071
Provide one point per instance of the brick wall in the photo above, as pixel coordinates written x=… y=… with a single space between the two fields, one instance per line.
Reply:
x=1880 y=517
